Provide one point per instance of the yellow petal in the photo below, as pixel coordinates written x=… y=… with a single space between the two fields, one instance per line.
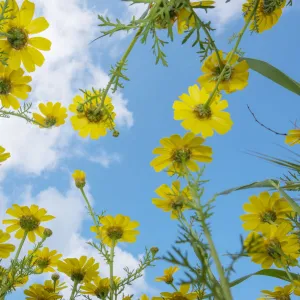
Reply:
x=38 y=25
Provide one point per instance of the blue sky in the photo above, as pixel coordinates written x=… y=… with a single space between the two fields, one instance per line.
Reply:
x=121 y=181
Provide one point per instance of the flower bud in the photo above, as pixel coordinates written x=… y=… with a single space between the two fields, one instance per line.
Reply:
x=116 y=133
x=55 y=277
x=154 y=250
x=47 y=232
x=79 y=178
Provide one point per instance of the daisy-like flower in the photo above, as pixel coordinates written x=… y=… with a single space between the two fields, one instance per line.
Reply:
x=90 y=118
x=296 y=286
x=293 y=137
x=235 y=76
x=27 y=220
x=116 y=229
x=179 y=153
x=45 y=260
x=79 y=270
x=53 y=114
x=79 y=178
x=13 y=86
x=274 y=246
x=265 y=208
x=98 y=287
x=3 y=155
x=5 y=249
x=49 y=286
x=144 y=297
x=279 y=293
x=17 y=40
x=168 y=275
x=172 y=198
x=182 y=294
x=266 y=15
x=200 y=118
x=37 y=292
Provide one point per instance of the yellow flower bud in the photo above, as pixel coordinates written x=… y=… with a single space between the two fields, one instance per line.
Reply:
x=79 y=177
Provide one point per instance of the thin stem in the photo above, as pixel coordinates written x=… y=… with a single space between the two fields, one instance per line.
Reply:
x=89 y=208
x=111 y=269
x=240 y=35
x=74 y=290
x=20 y=248
x=288 y=273
x=173 y=286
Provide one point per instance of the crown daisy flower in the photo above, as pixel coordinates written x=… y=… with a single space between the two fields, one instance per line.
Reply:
x=279 y=293
x=98 y=287
x=53 y=114
x=179 y=153
x=266 y=15
x=79 y=270
x=17 y=40
x=79 y=178
x=45 y=260
x=235 y=76
x=5 y=249
x=27 y=221
x=265 y=208
x=199 y=118
x=13 y=86
x=293 y=137
x=183 y=293
x=90 y=118
x=116 y=229
x=172 y=198
x=274 y=246
x=3 y=155
x=37 y=292
x=168 y=275
x=49 y=286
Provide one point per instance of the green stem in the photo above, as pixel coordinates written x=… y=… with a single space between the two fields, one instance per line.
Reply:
x=288 y=273
x=72 y=297
x=20 y=248
x=173 y=286
x=240 y=35
x=111 y=269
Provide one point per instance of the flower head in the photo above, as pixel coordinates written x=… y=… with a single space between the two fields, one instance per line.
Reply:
x=13 y=86
x=52 y=115
x=59 y=286
x=274 y=246
x=179 y=153
x=172 y=198
x=266 y=15
x=3 y=155
x=18 y=42
x=116 y=229
x=265 y=208
x=5 y=249
x=45 y=260
x=90 y=118
x=279 y=293
x=182 y=294
x=293 y=137
x=79 y=178
x=296 y=286
x=234 y=78
x=27 y=219
x=98 y=287
x=168 y=275
x=37 y=292
x=144 y=297
x=199 y=118
x=79 y=270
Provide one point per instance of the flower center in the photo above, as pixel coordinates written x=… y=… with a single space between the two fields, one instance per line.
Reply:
x=29 y=223
x=273 y=248
x=93 y=115
x=115 y=232
x=181 y=155
x=42 y=262
x=169 y=279
x=178 y=202
x=5 y=86
x=269 y=6
x=50 y=121
x=202 y=112
x=268 y=217
x=226 y=75
x=102 y=292
x=77 y=275
x=17 y=38
x=49 y=289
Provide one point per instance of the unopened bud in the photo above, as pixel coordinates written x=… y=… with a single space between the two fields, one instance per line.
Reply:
x=79 y=178
x=55 y=276
x=47 y=232
x=80 y=108
x=116 y=133
x=154 y=250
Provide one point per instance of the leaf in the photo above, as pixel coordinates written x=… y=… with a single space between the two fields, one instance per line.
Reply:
x=273 y=74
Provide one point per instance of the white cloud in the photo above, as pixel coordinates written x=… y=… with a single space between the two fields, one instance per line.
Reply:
x=105 y=159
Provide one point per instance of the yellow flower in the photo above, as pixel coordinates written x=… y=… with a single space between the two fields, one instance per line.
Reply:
x=183 y=294
x=59 y=286
x=13 y=86
x=18 y=42
x=116 y=229
x=293 y=137
x=266 y=15
x=235 y=77
x=37 y=292
x=199 y=118
x=168 y=275
x=79 y=270
x=45 y=260
x=3 y=155
x=179 y=153
x=296 y=285
x=265 y=208
x=279 y=293
x=172 y=198
x=90 y=118
x=127 y=297
x=144 y=297
x=52 y=115
x=274 y=245
x=98 y=287
x=79 y=178
x=5 y=249
x=27 y=219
